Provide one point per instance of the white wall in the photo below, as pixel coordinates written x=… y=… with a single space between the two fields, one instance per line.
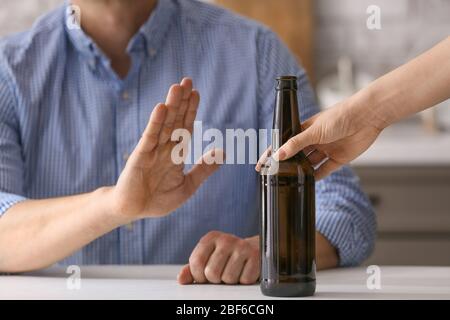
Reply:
x=18 y=15
x=408 y=28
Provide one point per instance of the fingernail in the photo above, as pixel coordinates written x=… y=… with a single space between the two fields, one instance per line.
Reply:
x=276 y=156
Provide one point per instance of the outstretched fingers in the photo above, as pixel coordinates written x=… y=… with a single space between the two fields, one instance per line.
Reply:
x=187 y=85
x=150 y=136
x=179 y=111
x=191 y=112
x=173 y=103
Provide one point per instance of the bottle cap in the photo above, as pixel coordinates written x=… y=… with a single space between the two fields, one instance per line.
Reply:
x=287 y=83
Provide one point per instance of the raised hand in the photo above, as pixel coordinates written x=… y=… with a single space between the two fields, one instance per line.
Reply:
x=152 y=185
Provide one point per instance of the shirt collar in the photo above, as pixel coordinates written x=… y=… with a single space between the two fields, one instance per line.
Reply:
x=149 y=37
x=155 y=29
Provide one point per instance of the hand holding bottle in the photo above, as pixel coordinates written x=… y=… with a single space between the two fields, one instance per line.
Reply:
x=337 y=136
x=333 y=138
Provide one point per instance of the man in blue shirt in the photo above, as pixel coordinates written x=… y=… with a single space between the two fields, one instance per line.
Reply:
x=78 y=184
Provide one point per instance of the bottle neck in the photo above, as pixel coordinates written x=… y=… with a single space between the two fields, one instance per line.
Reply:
x=286 y=117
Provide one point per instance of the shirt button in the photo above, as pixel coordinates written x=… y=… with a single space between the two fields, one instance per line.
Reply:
x=125 y=95
x=152 y=52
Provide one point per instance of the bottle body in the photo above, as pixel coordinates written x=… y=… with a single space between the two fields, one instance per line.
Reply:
x=287 y=234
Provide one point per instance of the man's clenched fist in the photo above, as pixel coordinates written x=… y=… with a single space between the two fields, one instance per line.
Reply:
x=223 y=258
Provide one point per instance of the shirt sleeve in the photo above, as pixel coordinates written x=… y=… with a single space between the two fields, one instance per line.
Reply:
x=343 y=212
x=11 y=160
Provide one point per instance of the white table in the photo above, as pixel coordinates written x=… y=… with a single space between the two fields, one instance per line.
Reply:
x=159 y=282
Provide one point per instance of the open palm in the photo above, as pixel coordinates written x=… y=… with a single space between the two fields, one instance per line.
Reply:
x=151 y=184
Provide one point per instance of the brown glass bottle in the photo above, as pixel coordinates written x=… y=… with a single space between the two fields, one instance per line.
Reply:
x=288 y=267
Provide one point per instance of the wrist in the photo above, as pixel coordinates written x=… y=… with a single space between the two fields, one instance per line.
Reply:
x=105 y=197
x=361 y=110
x=373 y=106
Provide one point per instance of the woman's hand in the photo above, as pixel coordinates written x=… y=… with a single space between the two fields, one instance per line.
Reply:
x=331 y=138
x=339 y=135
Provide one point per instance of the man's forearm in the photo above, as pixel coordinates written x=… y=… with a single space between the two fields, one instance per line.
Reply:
x=37 y=233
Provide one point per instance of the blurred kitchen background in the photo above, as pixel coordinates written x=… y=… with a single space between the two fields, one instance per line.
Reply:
x=407 y=172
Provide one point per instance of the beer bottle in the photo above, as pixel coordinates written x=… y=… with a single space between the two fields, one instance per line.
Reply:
x=288 y=267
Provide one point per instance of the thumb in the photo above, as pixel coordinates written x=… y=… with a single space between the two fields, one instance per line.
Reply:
x=295 y=144
x=185 y=276
x=204 y=167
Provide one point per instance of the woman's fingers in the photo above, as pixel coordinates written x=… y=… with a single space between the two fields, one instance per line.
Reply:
x=173 y=103
x=263 y=159
x=326 y=168
x=309 y=150
x=303 y=141
x=295 y=144
x=316 y=157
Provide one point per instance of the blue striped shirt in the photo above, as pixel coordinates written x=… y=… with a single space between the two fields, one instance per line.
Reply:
x=68 y=122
